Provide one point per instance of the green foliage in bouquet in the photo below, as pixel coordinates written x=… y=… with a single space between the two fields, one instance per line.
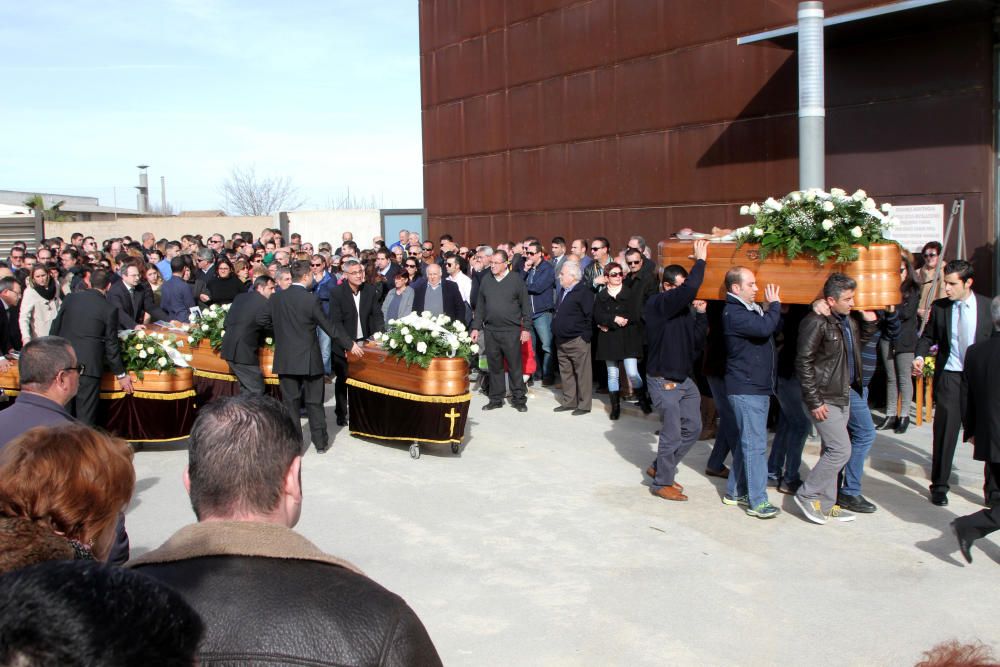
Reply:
x=210 y=326
x=420 y=337
x=829 y=225
x=143 y=351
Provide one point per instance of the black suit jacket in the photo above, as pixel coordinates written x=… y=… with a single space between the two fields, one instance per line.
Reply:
x=244 y=335
x=982 y=410
x=574 y=315
x=345 y=314
x=132 y=308
x=938 y=330
x=451 y=299
x=90 y=324
x=10 y=330
x=294 y=314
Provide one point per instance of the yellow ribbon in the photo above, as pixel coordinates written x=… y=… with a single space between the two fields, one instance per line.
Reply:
x=395 y=393
x=156 y=396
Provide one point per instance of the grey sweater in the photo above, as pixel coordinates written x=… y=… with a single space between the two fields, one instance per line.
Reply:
x=502 y=305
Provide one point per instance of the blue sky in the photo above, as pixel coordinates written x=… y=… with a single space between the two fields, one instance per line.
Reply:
x=325 y=92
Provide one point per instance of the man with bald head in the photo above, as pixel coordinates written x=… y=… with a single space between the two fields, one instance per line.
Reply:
x=439 y=297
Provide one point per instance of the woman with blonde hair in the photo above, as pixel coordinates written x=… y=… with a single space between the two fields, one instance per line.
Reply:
x=62 y=489
x=39 y=304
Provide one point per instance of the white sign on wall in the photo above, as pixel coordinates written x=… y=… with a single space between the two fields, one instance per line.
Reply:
x=917 y=225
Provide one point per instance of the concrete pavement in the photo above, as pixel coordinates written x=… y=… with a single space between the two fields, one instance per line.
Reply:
x=541 y=544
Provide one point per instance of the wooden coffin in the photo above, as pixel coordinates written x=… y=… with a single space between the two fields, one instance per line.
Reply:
x=181 y=379
x=801 y=279
x=267 y=362
x=204 y=358
x=10 y=378
x=444 y=377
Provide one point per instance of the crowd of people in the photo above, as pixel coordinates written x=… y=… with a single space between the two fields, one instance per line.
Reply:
x=591 y=319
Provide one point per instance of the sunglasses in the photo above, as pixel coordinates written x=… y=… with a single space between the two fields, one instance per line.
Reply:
x=528 y=252
x=634 y=263
x=596 y=249
x=615 y=274
x=930 y=254
x=411 y=266
x=315 y=265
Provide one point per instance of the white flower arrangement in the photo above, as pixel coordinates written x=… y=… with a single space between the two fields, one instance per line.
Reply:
x=420 y=337
x=143 y=351
x=209 y=326
x=829 y=225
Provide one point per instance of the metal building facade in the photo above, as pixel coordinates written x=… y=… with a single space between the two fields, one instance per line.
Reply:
x=617 y=117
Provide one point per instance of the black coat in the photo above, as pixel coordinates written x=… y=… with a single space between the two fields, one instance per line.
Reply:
x=574 y=316
x=90 y=324
x=244 y=336
x=132 y=308
x=451 y=300
x=294 y=314
x=909 y=323
x=10 y=330
x=344 y=313
x=617 y=342
x=938 y=330
x=982 y=409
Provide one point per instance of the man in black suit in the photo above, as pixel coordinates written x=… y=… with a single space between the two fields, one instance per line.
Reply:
x=294 y=314
x=572 y=328
x=957 y=321
x=10 y=331
x=437 y=296
x=244 y=335
x=133 y=299
x=982 y=426
x=90 y=324
x=354 y=307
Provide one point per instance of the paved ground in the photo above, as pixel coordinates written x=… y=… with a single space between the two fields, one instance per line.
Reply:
x=541 y=544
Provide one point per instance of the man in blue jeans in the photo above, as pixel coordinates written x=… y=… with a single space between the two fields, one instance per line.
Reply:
x=750 y=377
x=540 y=278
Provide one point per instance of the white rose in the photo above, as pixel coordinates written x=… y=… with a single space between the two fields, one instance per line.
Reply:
x=758 y=231
x=856 y=232
x=138 y=346
x=391 y=322
x=828 y=206
x=143 y=355
x=811 y=195
x=179 y=343
x=392 y=344
x=474 y=348
x=404 y=330
x=773 y=204
x=204 y=327
x=828 y=224
x=426 y=315
x=754 y=208
x=458 y=326
x=269 y=340
x=191 y=339
x=837 y=192
x=744 y=210
x=795 y=196
x=226 y=307
x=869 y=204
x=860 y=195
x=222 y=333
x=150 y=350
x=421 y=347
x=162 y=361
x=188 y=357
x=408 y=338
x=140 y=334
x=887 y=207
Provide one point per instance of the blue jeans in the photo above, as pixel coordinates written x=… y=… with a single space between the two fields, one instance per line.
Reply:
x=793 y=429
x=751 y=418
x=727 y=438
x=325 y=350
x=542 y=338
x=631 y=370
x=862 y=431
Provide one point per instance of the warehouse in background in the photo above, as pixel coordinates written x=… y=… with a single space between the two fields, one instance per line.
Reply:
x=620 y=117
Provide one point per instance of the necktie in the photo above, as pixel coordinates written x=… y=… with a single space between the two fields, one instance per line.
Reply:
x=963 y=337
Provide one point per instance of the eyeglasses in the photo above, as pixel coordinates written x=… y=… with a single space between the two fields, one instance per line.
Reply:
x=78 y=368
x=930 y=254
x=615 y=274
x=450 y=265
x=529 y=252
x=317 y=265
x=411 y=266
x=597 y=248
x=428 y=249
x=636 y=263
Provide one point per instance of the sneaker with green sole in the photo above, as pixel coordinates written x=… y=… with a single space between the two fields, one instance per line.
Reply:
x=742 y=501
x=811 y=509
x=764 y=510
x=838 y=513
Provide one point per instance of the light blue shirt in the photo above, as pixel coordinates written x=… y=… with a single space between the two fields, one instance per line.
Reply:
x=955 y=362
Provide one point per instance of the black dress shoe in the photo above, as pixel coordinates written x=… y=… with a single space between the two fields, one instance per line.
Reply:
x=548 y=382
x=939 y=498
x=887 y=423
x=902 y=425
x=857 y=503
x=578 y=412
x=964 y=541
x=323 y=450
x=563 y=408
x=492 y=406
x=521 y=408
x=341 y=421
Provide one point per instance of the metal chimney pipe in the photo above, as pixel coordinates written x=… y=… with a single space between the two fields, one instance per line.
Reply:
x=812 y=103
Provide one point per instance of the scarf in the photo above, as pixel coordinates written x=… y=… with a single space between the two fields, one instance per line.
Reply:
x=48 y=292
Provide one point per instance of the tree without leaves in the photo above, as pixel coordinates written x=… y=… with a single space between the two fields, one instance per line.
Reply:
x=245 y=194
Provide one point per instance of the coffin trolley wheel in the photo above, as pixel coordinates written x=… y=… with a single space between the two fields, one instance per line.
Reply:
x=455 y=448
x=415 y=450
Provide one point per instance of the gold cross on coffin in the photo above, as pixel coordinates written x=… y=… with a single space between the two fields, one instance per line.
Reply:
x=452 y=416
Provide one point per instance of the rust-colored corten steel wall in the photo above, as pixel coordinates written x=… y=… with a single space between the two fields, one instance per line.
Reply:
x=620 y=117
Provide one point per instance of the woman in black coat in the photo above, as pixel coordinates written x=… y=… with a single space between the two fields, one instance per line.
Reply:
x=618 y=315
x=897 y=355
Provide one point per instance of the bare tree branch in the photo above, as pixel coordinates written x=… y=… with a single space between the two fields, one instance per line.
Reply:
x=245 y=194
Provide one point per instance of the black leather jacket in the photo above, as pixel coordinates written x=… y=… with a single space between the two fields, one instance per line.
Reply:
x=821 y=363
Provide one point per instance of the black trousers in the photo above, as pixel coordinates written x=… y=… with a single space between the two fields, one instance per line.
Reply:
x=84 y=405
x=505 y=346
x=307 y=389
x=983 y=522
x=950 y=397
x=250 y=377
x=339 y=365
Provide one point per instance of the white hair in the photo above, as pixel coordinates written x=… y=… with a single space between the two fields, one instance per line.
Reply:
x=573 y=268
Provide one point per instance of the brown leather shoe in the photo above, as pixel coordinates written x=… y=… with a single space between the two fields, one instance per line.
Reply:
x=651 y=471
x=668 y=493
x=724 y=473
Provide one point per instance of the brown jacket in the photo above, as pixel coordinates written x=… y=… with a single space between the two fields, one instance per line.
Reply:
x=821 y=362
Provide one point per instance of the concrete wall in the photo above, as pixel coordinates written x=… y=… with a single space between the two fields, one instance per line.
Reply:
x=170 y=228
x=317 y=226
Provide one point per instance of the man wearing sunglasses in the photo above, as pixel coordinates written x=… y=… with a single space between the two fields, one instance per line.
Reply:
x=540 y=278
x=593 y=275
